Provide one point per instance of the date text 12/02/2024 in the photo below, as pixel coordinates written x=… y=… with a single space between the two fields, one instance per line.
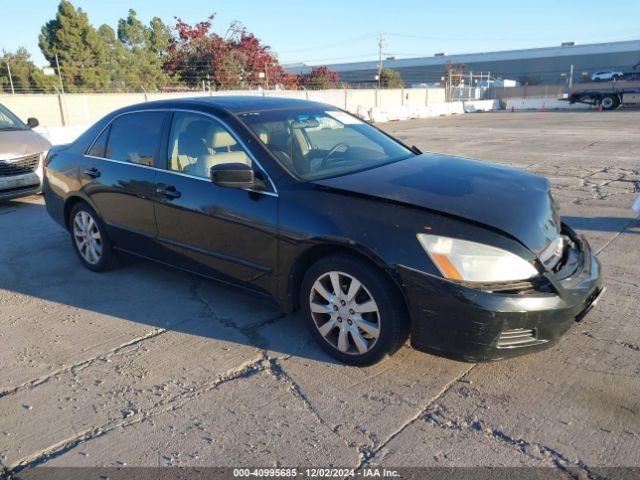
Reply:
x=315 y=472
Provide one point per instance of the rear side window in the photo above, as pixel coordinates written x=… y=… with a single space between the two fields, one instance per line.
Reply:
x=135 y=137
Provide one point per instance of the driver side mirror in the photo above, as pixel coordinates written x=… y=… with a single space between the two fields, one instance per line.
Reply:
x=233 y=175
x=32 y=122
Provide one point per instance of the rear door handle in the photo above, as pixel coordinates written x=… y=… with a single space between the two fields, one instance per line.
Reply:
x=92 y=172
x=170 y=192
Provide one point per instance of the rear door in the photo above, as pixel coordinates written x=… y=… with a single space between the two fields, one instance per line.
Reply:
x=119 y=177
x=229 y=233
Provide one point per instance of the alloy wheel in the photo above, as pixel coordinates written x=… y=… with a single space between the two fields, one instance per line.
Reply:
x=345 y=313
x=86 y=236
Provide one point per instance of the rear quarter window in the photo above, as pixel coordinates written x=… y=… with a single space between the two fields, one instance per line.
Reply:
x=99 y=147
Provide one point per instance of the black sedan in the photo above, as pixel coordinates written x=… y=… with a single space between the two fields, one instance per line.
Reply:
x=307 y=204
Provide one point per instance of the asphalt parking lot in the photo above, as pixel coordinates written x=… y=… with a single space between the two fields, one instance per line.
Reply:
x=148 y=366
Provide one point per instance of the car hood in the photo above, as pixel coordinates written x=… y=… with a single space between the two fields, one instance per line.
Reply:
x=510 y=200
x=21 y=143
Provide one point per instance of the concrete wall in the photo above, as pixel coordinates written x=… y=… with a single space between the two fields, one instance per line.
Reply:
x=84 y=109
x=46 y=108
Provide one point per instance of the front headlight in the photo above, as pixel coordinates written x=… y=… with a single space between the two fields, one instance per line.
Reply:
x=474 y=262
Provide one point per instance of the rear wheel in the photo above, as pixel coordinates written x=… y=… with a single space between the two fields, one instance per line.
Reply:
x=89 y=239
x=610 y=102
x=353 y=310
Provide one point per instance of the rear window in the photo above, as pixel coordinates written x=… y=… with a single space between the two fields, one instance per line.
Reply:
x=133 y=138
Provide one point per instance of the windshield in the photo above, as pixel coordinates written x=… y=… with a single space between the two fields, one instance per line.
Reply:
x=8 y=121
x=314 y=144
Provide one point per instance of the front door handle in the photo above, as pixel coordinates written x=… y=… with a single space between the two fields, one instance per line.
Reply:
x=92 y=172
x=169 y=191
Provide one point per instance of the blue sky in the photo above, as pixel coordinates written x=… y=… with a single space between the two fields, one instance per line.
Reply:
x=333 y=31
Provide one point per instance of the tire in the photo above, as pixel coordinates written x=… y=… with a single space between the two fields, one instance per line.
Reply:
x=385 y=329
x=610 y=102
x=95 y=259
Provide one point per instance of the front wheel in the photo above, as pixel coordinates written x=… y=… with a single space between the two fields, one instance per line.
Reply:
x=353 y=310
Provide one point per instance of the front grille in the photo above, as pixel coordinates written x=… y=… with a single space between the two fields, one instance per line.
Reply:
x=517 y=337
x=19 y=167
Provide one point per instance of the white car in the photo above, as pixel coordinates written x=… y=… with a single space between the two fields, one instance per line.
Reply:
x=22 y=153
x=605 y=75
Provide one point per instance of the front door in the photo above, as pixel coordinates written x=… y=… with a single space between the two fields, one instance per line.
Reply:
x=224 y=232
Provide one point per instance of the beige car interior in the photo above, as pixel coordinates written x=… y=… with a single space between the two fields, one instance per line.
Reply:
x=198 y=144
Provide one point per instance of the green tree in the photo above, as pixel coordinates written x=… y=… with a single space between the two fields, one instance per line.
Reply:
x=145 y=47
x=391 y=78
x=82 y=53
x=25 y=75
x=117 y=59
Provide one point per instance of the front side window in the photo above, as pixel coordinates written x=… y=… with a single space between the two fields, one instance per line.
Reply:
x=135 y=137
x=198 y=142
x=314 y=144
x=8 y=121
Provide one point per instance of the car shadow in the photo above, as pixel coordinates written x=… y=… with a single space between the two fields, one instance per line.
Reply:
x=37 y=260
x=605 y=224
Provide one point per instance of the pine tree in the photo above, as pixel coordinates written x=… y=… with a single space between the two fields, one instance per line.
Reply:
x=82 y=53
x=117 y=59
x=145 y=47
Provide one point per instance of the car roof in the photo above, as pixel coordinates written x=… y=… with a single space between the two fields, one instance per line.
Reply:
x=232 y=103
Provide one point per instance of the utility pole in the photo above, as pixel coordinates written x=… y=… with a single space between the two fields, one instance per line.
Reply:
x=59 y=74
x=10 y=79
x=381 y=45
x=449 y=83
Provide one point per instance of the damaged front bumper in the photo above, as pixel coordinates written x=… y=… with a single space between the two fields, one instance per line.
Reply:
x=463 y=323
x=19 y=185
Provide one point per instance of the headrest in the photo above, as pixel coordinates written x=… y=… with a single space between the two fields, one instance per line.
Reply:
x=220 y=138
x=191 y=144
x=262 y=134
x=198 y=129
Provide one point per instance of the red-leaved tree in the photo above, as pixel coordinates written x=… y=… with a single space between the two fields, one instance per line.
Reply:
x=320 y=78
x=237 y=60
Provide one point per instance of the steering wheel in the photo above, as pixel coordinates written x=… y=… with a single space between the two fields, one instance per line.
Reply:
x=330 y=153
